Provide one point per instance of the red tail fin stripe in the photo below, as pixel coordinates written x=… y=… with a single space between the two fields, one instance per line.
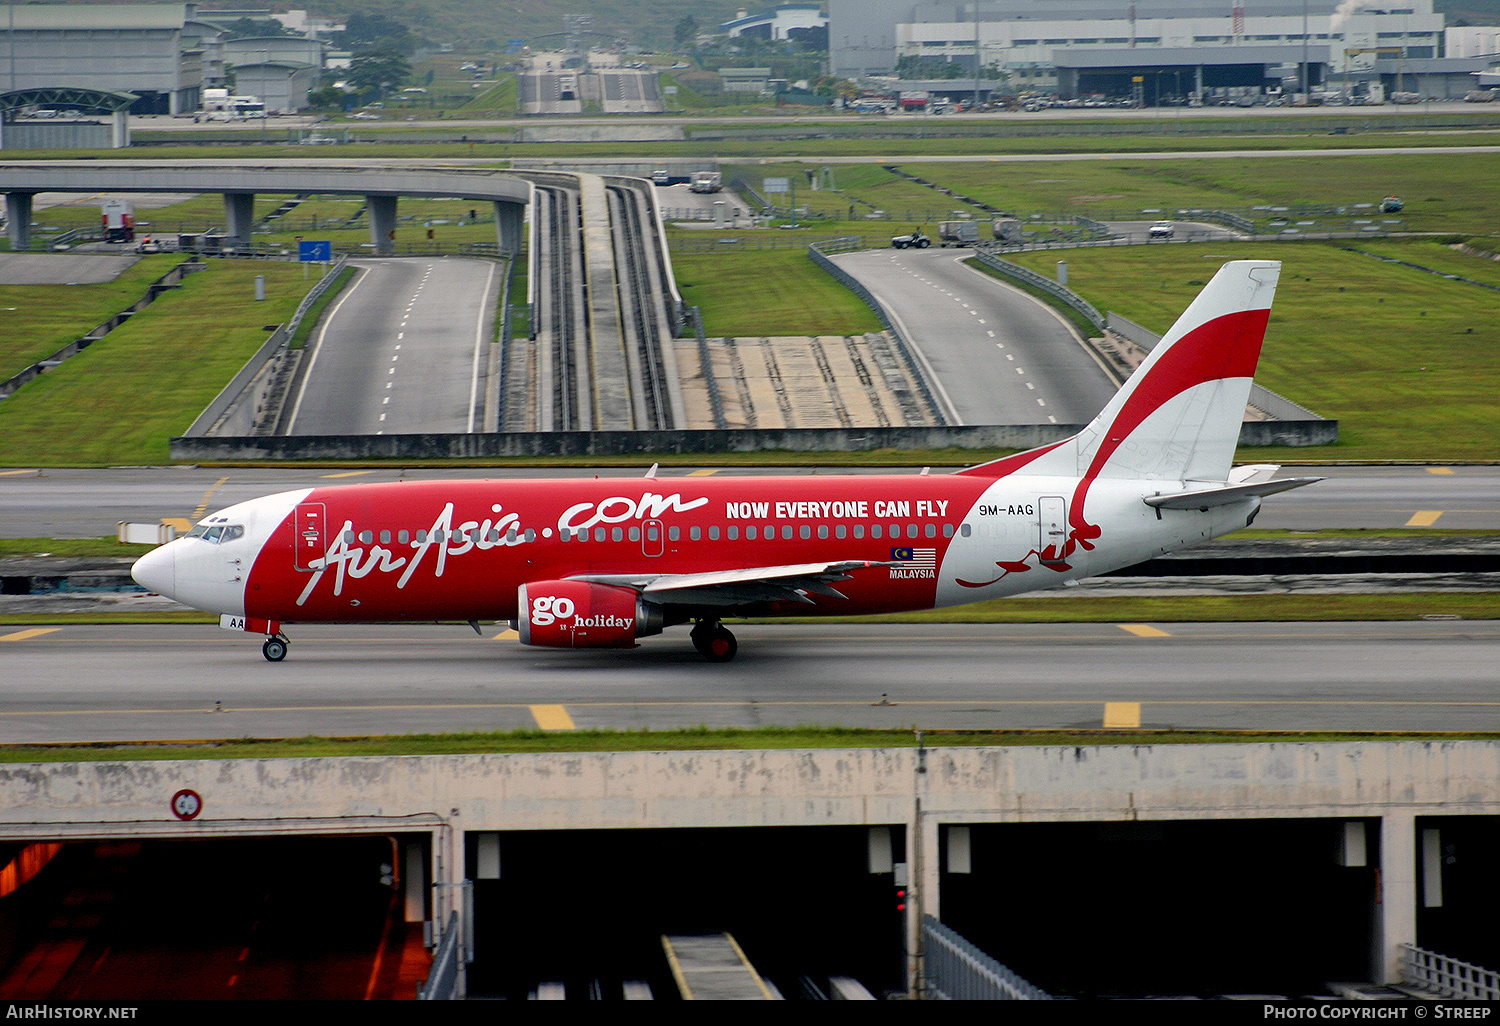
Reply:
x=1010 y=464
x=1231 y=350
x=1193 y=360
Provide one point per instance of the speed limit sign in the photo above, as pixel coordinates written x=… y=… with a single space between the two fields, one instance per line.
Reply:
x=186 y=804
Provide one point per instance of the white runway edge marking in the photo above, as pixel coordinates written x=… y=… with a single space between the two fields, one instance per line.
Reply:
x=478 y=350
x=318 y=348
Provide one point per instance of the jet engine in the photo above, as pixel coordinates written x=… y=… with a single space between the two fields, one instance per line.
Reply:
x=580 y=614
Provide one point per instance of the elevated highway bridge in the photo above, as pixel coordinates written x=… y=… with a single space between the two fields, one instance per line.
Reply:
x=238 y=184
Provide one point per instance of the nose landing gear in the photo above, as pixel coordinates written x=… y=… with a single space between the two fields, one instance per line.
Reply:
x=714 y=641
x=275 y=648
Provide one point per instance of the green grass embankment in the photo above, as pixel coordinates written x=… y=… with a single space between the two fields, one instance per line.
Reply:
x=120 y=400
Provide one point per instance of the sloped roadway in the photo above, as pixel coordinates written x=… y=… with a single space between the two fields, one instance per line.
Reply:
x=996 y=355
x=405 y=349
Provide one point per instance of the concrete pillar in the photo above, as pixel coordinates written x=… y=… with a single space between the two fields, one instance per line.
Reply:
x=382 y=212
x=239 y=218
x=1398 y=892
x=509 y=224
x=18 y=219
x=119 y=129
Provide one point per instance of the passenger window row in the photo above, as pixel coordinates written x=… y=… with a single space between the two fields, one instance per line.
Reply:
x=732 y=533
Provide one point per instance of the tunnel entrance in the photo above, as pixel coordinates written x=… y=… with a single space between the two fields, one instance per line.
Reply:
x=1166 y=908
x=580 y=907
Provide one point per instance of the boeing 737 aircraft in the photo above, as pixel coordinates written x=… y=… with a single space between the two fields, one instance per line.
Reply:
x=601 y=563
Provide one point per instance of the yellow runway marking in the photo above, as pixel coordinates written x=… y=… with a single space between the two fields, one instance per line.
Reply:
x=207 y=496
x=702 y=473
x=13 y=473
x=1439 y=470
x=183 y=524
x=1142 y=630
x=348 y=473
x=509 y=634
x=552 y=717
x=1122 y=714
x=1424 y=518
x=25 y=635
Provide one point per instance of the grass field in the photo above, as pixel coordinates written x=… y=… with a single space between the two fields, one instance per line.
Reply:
x=1404 y=360
x=38 y=320
x=120 y=400
x=780 y=292
x=699 y=739
x=1443 y=192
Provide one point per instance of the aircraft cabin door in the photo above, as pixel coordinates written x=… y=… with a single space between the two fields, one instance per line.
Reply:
x=652 y=542
x=1052 y=515
x=309 y=534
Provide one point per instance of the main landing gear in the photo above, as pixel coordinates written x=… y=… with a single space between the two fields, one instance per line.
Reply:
x=714 y=641
x=275 y=648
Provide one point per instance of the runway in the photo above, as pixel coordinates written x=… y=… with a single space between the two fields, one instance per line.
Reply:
x=187 y=682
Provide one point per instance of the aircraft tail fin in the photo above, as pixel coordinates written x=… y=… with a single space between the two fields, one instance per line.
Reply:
x=1178 y=416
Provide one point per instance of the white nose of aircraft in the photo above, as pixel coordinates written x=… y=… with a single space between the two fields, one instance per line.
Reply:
x=156 y=571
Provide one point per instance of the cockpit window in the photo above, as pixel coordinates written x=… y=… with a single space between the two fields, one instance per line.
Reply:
x=217 y=533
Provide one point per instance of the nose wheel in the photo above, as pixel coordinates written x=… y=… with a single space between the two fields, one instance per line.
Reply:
x=274 y=649
x=714 y=641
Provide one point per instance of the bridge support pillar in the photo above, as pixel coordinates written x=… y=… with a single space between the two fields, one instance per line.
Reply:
x=382 y=211
x=509 y=224
x=18 y=220
x=1398 y=893
x=239 y=218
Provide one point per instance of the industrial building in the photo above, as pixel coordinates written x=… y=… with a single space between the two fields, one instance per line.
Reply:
x=163 y=54
x=1143 y=50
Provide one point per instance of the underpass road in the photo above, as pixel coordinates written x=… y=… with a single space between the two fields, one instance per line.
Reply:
x=165 y=682
x=999 y=356
x=400 y=352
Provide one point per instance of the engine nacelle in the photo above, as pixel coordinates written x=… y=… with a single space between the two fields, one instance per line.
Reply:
x=578 y=614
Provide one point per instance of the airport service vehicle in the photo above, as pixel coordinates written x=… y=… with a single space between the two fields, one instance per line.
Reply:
x=118 y=221
x=916 y=240
x=591 y=563
x=1161 y=230
x=958 y=233
x=706 y=181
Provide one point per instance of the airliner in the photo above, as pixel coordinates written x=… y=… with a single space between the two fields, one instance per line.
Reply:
x=602 y=563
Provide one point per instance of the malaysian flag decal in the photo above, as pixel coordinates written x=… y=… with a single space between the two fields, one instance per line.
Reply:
x=914 y=562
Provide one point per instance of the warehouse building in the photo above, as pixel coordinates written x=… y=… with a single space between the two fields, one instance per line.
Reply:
x=1093 y=46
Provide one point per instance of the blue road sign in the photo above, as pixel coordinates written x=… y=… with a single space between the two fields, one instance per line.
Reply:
x=315 y=251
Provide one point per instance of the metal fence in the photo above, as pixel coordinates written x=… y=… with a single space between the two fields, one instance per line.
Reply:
x=274 y=346
x=1030 y=277
x=941 y=413
x=1447 y=977
x=955 y=970
x=442 y=983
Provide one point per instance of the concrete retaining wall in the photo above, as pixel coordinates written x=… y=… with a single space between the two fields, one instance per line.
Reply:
x=520 y=445
x=922 y=789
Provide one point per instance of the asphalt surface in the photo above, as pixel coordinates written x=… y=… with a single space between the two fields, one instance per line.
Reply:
x=404 y=350
x=193 y=682
x=997 y=355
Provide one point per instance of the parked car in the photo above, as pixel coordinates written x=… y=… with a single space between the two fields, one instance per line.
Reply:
x=1161 y=230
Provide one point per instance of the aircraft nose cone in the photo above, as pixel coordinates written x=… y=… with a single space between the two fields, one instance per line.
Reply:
x=156 y=571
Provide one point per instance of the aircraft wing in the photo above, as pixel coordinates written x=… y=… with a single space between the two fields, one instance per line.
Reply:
x=741 y=587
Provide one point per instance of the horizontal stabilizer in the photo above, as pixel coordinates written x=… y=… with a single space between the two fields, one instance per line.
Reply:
x=1211 y=497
